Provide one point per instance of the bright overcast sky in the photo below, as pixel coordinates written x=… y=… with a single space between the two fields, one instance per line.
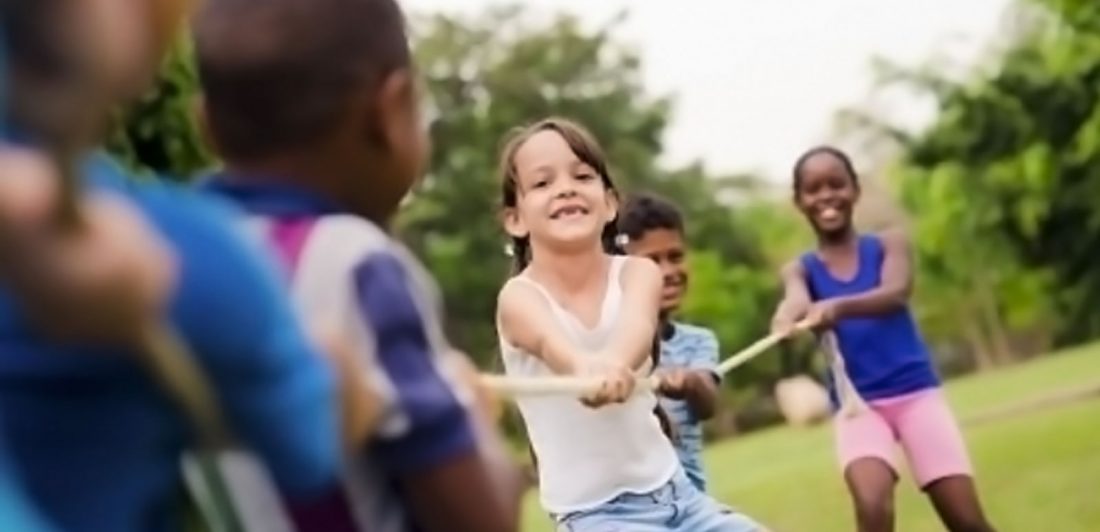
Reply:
x=757 y=81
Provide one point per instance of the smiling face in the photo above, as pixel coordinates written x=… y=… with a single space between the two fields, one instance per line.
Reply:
x=561 y=201
x=826 y=192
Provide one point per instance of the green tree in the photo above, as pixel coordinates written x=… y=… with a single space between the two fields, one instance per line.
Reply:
x=158 y=133
x=1003 y=187
x=490 y=73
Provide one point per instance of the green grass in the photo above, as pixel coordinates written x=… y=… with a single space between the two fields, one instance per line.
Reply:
x=1038 y=470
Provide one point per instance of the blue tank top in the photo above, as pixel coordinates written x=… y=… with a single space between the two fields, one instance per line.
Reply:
x=885 y=355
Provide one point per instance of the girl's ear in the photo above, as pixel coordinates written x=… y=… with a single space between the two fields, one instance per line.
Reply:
x=513 y=224
x=612 y=205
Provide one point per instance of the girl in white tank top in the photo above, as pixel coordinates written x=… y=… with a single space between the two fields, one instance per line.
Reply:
x=574 y=308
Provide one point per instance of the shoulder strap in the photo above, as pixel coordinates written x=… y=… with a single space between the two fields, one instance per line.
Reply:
x=555 y=308
x=615 y=272
x=871 y=246
x=808 y=260
x=810 y=264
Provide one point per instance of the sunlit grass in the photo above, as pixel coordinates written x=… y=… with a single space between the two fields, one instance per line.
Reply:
x=1037 y=470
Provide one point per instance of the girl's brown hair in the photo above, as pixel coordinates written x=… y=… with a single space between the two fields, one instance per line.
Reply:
x=584 y=146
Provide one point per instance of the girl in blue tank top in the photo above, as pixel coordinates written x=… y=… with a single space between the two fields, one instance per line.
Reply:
x=857 y=286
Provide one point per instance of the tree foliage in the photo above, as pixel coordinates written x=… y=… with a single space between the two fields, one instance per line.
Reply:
x=158 y=134
x=1003 y=185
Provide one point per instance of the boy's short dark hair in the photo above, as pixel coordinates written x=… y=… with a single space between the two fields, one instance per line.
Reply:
x=278 y=73
x=645 y=212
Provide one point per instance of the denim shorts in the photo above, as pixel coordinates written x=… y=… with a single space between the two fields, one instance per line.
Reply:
x=677 y=506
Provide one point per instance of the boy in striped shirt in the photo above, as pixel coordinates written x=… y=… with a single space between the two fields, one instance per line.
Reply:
x=654 y=228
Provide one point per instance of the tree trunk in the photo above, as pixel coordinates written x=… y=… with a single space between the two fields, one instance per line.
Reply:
x=991 y=317
x=975 y=339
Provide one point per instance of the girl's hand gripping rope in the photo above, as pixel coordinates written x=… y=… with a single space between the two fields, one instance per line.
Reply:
x=616 y=383
x=595 y=381
x=822 y=315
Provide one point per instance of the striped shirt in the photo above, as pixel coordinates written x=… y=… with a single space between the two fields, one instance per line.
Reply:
x=347 y=272
x=693 y=348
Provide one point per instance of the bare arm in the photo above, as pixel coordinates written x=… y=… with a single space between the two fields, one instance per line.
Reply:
x=796 y=296
x=894 y=288
x=526 y=322
x=100 y=282
x=448 y=498
x=701 y=393
x=632 y=341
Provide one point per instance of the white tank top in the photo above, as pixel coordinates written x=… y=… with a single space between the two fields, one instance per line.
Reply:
x=589 y=456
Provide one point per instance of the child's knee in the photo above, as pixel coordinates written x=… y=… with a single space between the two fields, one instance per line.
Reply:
x=874 y=507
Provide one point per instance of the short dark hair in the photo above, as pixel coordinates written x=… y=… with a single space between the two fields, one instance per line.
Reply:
x=831 y=150
x=646 y=212
x=278 y=73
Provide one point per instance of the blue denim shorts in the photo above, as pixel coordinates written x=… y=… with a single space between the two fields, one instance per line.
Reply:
x=678 y=506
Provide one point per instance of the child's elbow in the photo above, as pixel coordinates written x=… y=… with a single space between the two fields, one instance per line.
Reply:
x=703 y=398
x=899 y=296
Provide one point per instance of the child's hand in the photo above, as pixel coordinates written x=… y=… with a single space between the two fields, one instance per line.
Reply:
x=616 y=386
x=675 y=383
x=104 y=281
x=787 y=317
x=822 y=315
x=782 y=324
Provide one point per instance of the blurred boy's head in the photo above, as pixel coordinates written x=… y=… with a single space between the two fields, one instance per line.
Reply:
x=654 y=228
x=321 y=88
x=70 y=61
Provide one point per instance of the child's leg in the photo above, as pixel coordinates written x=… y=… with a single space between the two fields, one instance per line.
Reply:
x=939 y=460
x=678 y=506
x=956 y=502
x=619 y=516
x=701 y=513
x=865 y=449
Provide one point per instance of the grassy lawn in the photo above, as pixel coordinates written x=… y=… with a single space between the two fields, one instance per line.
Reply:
x=1039 y=470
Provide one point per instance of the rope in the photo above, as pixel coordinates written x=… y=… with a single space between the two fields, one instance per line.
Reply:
x=851 y=403
x=512 y=386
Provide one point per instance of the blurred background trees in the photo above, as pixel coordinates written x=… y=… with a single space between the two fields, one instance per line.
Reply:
x=1001 y=192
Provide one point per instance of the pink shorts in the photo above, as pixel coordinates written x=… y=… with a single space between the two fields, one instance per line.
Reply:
x=921 y=422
